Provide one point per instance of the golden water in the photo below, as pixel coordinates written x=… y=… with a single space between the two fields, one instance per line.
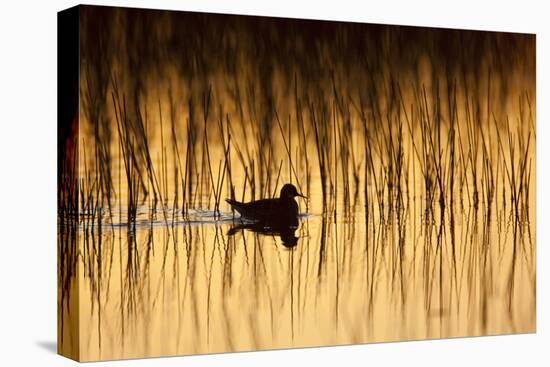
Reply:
x=181 y=285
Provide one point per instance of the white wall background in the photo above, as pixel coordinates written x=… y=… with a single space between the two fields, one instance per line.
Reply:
x=28 y=182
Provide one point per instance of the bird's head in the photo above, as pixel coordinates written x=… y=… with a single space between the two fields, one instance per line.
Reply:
x=289 y=192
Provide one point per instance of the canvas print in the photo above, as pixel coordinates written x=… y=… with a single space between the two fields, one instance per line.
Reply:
x=238 y=183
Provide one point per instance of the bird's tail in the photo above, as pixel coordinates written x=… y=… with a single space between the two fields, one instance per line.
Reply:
x=235 y=205
x=233 y=202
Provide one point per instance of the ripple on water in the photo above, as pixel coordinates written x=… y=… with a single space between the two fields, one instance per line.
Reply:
x=162 y=216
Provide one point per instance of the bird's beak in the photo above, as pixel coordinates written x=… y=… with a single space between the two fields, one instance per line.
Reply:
x=302 y=196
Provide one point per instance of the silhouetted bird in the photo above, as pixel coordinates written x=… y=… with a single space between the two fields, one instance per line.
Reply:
x=282 y=211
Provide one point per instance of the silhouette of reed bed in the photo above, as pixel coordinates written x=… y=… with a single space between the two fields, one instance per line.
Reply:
x=415 y=147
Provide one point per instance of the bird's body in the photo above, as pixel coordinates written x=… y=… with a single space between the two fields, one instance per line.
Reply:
x=267 y=210
x=280 y=211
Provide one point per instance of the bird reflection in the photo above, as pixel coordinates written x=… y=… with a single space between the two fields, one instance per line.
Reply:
x=284 y=231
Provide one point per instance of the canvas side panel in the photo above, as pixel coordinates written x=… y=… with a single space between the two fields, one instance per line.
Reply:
x=68 y=339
